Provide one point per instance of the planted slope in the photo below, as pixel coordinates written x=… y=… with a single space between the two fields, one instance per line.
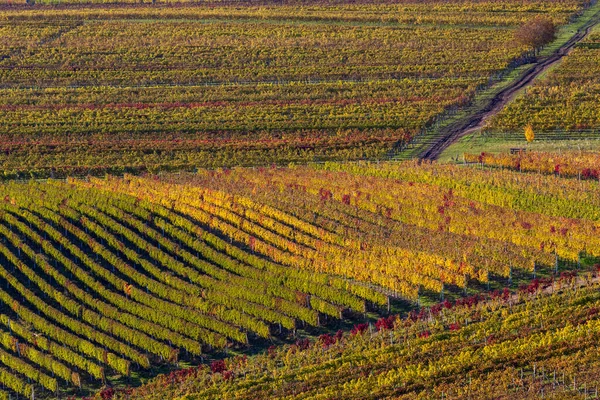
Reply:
x=408 y=227
x=538 y=343
x=103 y=277
x=99 y=284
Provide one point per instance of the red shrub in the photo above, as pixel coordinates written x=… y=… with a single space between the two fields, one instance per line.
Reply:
x=557 y=169
x=424 y=334
x=454 y=326
x=107 y=394
x=385 y=323
x=326 y=340
x=227 y=375
x=218 y=366
x=303 y=344
x=360 y=328
x=532 y=287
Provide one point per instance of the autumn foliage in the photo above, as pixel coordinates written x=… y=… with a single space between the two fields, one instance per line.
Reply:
x=536 y=33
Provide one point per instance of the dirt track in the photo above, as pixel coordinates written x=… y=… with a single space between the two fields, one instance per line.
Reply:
x=475 y=121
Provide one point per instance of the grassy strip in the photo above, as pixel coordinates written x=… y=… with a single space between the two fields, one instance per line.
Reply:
x=561 y=141
x=481 y=99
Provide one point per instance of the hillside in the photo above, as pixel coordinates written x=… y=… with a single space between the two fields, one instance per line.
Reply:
x=235 y=199
x=541 y=342
x=561 y=106
x=117 y=277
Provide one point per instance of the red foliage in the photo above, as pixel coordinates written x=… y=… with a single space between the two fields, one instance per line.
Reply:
x=385 y=323
x=326 y=340
x=218 y=366
x=526 y=225
x=325 y=194
x=424 y=334
x=227 y=375
x=470 y=301
x=557 y=169
x=388 y=212
x=435 y=309
x=531 y=288
x=454 y=326
x=107 y=394
x=360 y=328
x=346 y=199
x=271 y=351
x=588 y=173
x=414 y=316
x=567 y=276
x=303 y=344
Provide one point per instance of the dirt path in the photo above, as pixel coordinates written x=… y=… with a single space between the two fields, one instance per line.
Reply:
x=475 y=121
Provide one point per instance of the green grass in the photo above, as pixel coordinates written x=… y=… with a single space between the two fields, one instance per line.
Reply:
x=477 y=143
x=567 y=31
x=482 y=97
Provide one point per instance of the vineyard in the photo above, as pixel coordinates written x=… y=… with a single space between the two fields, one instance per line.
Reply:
x=563 y=105
x=94 y=88
x=117 y=283
x=580 y=165
x=206 y=200
x=105 y=278
x=540 y=342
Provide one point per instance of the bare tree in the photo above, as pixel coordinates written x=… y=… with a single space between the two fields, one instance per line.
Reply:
x=536 y=33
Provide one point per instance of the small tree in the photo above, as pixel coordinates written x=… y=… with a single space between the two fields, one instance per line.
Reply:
x=536 y=33
x=529 y=134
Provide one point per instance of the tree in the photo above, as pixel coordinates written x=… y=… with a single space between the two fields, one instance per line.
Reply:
x=529 y=134
x=536 y=33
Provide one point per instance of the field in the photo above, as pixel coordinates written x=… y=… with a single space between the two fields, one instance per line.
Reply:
x=89 y=89
x=580 y=164
x=540 y=342
x=116 y=277
x=563 y=105
x=204 y=199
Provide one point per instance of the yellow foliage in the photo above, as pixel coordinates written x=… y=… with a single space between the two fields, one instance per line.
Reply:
x=529 y=134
